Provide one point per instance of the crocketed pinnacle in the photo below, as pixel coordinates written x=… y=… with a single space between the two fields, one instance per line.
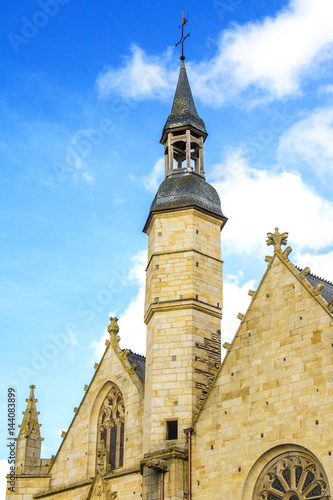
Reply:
x=30 y=423
x=183 y=112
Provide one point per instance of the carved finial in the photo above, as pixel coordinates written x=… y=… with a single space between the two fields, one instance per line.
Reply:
x=113 y=327
x=277 y=239
x=30 y=425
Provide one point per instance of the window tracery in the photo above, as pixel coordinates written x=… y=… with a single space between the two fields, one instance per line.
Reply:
x=292 y=476
x=111 y=427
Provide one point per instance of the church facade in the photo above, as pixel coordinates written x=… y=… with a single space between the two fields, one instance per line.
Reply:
x=178 y=424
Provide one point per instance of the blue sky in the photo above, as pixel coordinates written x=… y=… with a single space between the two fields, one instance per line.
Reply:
x=85 y=90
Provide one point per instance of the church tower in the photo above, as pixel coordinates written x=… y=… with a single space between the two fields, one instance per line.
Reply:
x=183 y=301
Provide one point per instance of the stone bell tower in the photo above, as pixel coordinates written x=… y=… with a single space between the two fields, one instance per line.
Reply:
x=183 y=301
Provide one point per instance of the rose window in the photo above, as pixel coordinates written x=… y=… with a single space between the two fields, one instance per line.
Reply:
x=292 y=476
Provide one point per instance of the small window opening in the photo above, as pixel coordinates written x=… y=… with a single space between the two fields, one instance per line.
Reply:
x=172 y=429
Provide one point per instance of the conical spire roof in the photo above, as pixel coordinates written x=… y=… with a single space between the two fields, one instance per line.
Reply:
x=183 y=112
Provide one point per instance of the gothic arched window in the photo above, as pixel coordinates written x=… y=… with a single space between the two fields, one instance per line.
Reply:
x=292 y=476
x=111 y=427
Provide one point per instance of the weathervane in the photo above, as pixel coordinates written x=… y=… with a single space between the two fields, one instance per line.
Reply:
x=183 y=38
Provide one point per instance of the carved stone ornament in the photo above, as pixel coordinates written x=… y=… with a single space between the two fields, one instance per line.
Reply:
x=103 y=491
x=103 y=465
x=113 y=327
x=277 y=239
x=292 y=476
x=29 y=427
x=157 y=464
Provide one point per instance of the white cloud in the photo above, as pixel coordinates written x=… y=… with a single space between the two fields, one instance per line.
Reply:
x=320 y=264
x=260 y=200
x=235 y=300
x=310 y=139
x=137 y=273
x=98 y=346
x=325 y=89
x=132 y=329
x=271 y=56
x=59 y=432
x=4 y=469
x=152 y=181
x=142 y=76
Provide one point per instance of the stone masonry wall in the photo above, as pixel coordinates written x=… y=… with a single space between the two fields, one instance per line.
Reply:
x=273 y=392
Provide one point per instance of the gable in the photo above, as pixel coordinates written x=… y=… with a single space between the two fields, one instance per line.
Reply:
x=274 y=385
x=76 y=457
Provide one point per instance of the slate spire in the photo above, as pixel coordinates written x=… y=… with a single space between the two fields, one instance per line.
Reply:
x=184 y=112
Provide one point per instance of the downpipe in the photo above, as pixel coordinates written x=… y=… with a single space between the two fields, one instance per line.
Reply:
x=162 y=486
x=189 y=432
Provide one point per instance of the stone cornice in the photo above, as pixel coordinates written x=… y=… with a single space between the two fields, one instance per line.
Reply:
x=185 y=250
x=180 y=304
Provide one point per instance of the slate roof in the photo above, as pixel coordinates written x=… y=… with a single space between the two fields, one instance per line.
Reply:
x=183 y=112
x=183 y=189
x=186 y=189
x=327 y=291
x=140 y=362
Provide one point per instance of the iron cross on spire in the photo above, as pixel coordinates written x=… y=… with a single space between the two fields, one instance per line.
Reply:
x=183 y=38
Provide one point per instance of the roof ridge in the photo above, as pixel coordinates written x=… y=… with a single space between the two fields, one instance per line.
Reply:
x=137 y=354
x=315 y=276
